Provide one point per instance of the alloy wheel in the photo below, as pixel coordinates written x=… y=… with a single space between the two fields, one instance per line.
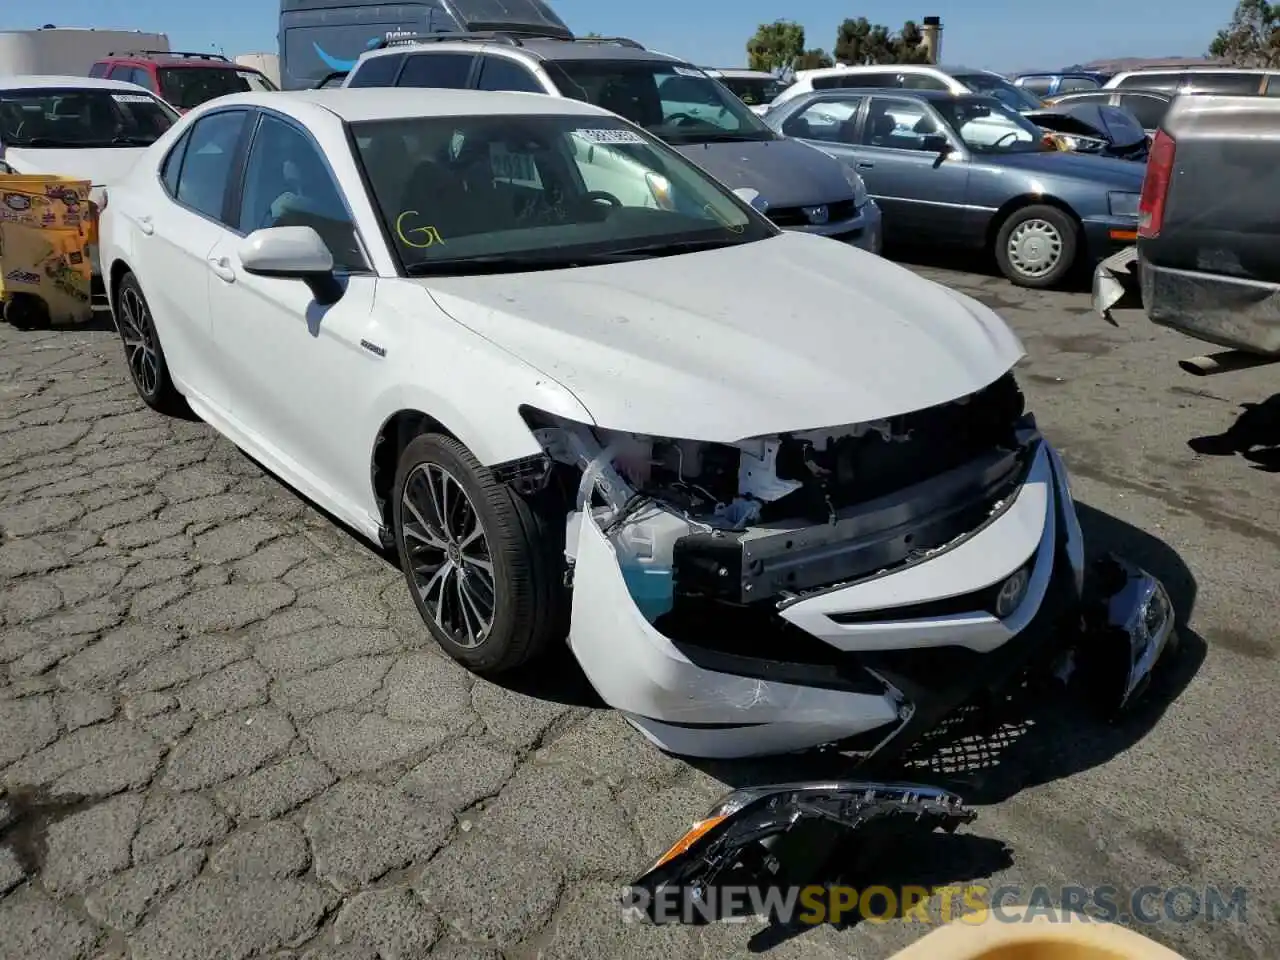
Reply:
x=138 y=334
x=1035 y=247
x=448 y=554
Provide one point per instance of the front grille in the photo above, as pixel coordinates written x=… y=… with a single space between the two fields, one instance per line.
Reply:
x=796 y=217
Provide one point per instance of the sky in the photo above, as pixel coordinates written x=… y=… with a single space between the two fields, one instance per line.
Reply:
x=1002 y=35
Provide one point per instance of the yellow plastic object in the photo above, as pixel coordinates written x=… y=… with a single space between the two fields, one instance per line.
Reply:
x=47 y=225
x=1015 y=935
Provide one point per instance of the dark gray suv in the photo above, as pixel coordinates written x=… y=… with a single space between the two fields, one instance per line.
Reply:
x=799 y=187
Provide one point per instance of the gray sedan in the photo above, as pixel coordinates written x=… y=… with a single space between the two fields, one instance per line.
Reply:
x=967 y=170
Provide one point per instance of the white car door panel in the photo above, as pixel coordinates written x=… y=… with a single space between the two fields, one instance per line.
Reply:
x=298 y=369
x=295 y=368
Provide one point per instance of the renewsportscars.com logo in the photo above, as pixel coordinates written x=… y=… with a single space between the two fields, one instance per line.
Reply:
x=979 y=903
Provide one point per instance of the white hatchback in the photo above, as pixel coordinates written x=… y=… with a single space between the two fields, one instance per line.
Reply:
x=748 y=474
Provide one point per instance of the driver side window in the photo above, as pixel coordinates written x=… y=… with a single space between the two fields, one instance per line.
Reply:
x=287 y=184
x=899 y=124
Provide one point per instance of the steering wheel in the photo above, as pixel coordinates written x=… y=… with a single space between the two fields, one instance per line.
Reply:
x=1000 y=140
x=679 y=119
x=597 y=196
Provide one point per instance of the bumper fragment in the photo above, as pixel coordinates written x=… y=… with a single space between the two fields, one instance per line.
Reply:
x=1113 y=278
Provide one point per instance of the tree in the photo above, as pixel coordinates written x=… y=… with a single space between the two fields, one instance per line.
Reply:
x=813 y=60
x=860 y=42
x=776 y=46
x=1252 y=38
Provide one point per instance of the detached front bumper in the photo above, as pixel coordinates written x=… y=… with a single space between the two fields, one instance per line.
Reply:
x=905 y=648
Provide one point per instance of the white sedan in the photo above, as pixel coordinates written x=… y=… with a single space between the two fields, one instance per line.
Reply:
x=760 y=481
x=79 y=127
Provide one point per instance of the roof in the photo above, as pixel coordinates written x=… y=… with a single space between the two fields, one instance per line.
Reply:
x=539 y=48
x=740 y=72
x=355 y=105
x=52 y=82
x=1194 y=68
x=175 y=58
x=816 y=95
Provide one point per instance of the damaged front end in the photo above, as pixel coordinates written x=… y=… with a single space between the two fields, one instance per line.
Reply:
x=779 y=836
x=844 y=586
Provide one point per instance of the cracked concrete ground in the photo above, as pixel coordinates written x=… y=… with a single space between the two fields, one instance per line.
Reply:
x=224 y=734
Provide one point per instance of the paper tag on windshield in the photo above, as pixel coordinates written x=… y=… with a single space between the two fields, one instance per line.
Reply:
x=130 y=98
x=608 y=135
x=688 y=72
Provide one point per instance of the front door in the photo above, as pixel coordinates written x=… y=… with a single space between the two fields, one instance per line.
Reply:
x=296 y=366
x=922 y=190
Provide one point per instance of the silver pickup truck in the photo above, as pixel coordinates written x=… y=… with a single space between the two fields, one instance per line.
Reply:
x=1208 y=253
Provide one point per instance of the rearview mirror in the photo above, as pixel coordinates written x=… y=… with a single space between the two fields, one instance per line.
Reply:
x=935 y=143
x=296 y=253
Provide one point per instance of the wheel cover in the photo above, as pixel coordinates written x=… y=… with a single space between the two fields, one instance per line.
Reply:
x=448 y=556
x=1035 y=247
x=139 y=342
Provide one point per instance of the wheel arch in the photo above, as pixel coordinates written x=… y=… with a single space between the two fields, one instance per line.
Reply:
x=1014 y=204
x=396 y=432
x=115 y=274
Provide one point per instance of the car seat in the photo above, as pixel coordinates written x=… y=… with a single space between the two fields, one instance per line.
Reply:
x=882 y=127
x=797 y=126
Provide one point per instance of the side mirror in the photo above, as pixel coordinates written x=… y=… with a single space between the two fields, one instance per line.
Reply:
x=936 y=143
x=295 y=253
x=753 y=198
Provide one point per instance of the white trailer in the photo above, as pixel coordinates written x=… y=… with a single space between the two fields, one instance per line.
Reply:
x=267 y=63
x=68 y=51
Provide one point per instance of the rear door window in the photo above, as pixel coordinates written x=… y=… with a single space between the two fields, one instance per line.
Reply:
x=377 y=71
x=206 y=167
x=1273 y=85
x=1072 y=84
x=1227 y=82
x=1040 y=86
x=1164 y=82
x=1148 y=111
x=503 y=73
x=450 y=71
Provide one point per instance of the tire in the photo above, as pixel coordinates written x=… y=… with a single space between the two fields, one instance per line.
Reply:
x=142 y=351
x=25 y=311
x=491 y=621
x=1037 y=231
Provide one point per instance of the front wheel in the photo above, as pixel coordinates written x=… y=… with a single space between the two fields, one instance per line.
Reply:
x=480 y=563
x=1036 y=246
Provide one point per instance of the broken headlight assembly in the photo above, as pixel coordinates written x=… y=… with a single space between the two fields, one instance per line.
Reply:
x=781 y=834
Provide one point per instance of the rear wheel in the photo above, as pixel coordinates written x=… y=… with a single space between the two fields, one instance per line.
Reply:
x=142 y=350
x=1036 y=246
x=480 y=563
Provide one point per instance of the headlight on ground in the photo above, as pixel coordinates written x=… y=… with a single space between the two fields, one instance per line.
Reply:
x=1123 y=204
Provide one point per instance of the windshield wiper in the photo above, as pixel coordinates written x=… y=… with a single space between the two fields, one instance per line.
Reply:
x=46 y=142
x=463 y=266
x=132 y=141
x=672 y=249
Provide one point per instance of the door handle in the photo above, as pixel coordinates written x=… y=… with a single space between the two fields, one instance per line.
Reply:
x=221 y=268
x=865 y=164
x=146 y=226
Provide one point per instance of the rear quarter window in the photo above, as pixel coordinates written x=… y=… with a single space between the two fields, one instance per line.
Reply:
x=377 y=71
x=99 y=69
x=1237 y=84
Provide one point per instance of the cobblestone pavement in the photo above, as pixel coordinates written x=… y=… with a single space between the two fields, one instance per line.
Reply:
x=223 y=732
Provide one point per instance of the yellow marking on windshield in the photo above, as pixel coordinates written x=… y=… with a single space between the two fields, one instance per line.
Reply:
x=431 y=234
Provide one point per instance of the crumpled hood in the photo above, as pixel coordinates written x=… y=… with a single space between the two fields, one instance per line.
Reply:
x=786 y=172
x=101 y=167
x=1109 y=172
x=791 y=333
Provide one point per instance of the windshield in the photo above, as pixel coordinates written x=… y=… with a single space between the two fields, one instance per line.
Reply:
x=680 y=104
x=1015 y=98
x=187 y=87
x=754 y=91
x=69 y=118
x=988 y=126
x=461 y=194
